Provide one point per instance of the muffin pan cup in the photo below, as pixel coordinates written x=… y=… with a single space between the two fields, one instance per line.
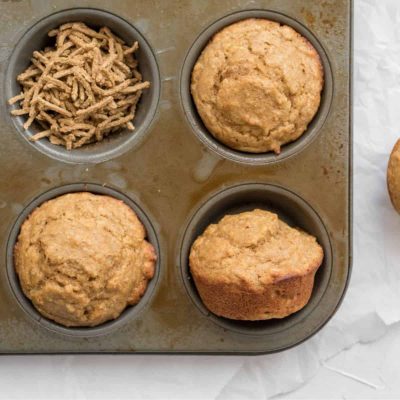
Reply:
x=290 y=208
x=178 y=182
x=130 y=312
x=36 y=38
x=194 y=118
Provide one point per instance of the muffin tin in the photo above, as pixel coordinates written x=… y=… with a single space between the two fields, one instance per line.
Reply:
x=178 y=178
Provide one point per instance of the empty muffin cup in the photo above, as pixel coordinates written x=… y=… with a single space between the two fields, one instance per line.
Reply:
x=195 y=120
x=36 y=38
x=130 y=312
x=291 y=209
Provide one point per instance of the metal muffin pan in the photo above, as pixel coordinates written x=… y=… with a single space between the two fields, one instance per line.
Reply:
x=130 y=312
x=36 y=38
x=181 y=185
x=195 y=120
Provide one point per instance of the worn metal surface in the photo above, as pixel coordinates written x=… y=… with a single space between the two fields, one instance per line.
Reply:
x=172 y=174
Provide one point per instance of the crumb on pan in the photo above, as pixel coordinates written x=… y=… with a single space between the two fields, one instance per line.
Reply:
x=81 y=90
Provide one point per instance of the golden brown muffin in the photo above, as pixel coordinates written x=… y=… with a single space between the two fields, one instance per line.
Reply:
x=82 y=258
x=252 y=266
x=257 y=85
x=393 y=176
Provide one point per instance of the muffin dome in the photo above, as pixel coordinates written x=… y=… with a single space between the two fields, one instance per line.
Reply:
x=257 y=85
x=82 y=258
x=393 y=176
x=253 y=266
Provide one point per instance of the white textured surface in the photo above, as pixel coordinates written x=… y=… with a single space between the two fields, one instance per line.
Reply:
x=356 y=356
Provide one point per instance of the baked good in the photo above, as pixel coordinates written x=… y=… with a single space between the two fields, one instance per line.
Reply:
x=257 y=85
x=82 y=258
x=253 y=266
x=393 y=176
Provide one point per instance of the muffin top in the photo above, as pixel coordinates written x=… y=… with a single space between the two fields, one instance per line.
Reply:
x=82 y=258
x=393 y=176
x=257 y=85
x=252 y=250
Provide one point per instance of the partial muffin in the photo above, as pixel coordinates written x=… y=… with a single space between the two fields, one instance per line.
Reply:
x=257 y=85
x=393 y=176
x=82 y=259
x=253 y=266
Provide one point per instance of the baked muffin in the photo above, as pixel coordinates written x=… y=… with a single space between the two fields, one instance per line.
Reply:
x=253 y=266
x=82 y=258
x=257 y=85
x=393 y=176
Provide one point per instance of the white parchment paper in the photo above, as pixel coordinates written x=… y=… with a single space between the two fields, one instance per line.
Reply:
x=370 y=308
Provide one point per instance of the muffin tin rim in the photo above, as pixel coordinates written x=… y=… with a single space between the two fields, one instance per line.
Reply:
x=194 y=120
x=129 y=312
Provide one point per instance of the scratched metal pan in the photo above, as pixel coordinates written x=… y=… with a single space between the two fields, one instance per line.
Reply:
x=177 y=177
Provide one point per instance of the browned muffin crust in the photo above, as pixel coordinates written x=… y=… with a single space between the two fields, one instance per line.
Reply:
x=253 y=266
x=393 y=176
x=257 y=85
x=82 y=258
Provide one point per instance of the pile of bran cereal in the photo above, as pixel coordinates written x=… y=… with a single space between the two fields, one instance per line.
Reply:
x=81 y=90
